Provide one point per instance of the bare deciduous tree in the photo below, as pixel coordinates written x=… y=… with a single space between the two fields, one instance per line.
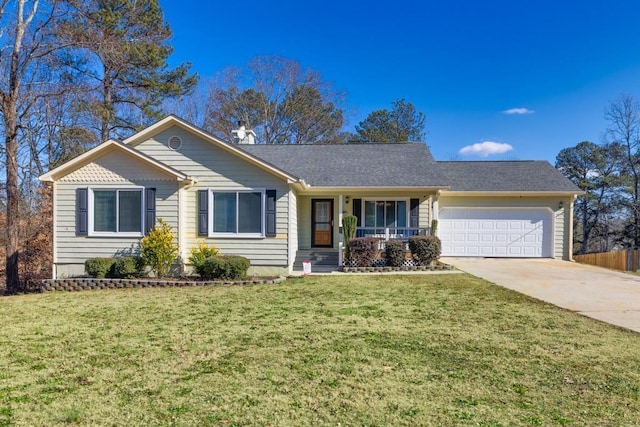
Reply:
x=280 y=100
x=28 y=43
x=623 y=115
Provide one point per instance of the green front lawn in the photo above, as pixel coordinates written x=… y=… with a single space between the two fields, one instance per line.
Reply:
x=347 y=350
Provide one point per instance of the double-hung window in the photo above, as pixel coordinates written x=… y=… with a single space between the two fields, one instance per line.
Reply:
x=237 y=213
x=117 y=212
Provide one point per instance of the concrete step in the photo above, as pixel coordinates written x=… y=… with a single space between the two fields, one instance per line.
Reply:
x=321 y=260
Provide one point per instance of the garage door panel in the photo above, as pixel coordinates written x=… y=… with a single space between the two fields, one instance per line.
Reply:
x=486 y=237
x=496 y=232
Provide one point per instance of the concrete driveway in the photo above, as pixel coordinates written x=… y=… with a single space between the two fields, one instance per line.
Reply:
x=606 y=295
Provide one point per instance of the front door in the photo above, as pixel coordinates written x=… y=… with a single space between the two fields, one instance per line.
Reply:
x=322 y=223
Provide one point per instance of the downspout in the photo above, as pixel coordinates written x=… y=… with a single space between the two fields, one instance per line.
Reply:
x=570 y=234
x=183 y=185
x=436 y=206
x=340 y=231
x=54 y=263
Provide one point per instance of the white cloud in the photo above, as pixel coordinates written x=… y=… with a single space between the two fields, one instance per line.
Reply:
x=517 y=111
x=486 y=148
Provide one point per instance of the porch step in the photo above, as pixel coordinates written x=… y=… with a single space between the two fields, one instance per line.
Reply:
x=322 y=260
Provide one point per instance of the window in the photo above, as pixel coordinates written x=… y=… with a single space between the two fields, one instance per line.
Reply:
x=237 y=213
x=385 y=213
x=114 y=212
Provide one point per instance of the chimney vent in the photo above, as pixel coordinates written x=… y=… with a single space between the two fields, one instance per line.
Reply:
x=243 y=135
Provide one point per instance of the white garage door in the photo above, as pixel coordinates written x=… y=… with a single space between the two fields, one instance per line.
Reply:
x=496 y=232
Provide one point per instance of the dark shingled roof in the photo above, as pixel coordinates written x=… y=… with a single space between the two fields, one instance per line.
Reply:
x=354 y=165
x=505 y=176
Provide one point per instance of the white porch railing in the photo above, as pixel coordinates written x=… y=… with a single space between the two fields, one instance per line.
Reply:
x=384 y=234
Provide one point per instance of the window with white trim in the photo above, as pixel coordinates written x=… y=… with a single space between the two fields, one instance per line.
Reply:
x=117 y=212
x=236 y=213
x=386 y=213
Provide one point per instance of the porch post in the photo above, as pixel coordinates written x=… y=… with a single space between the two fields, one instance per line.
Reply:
x=435 y=207
x=340 y=210
x=340 y=233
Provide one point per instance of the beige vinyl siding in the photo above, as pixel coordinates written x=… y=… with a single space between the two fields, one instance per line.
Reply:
x=560 y=217
x=293 y=227
x=214 y=168
x=304 y=211
x=73 y=251
x=304 y=222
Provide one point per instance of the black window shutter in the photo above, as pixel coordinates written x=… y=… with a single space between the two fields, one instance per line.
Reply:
x=203 y=212
x=270 y=214
x=414 y=216
x=149 y=209
x=82 y=213
x=357 y=210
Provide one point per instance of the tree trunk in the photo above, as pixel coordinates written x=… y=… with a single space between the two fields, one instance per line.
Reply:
x=13 y=205
x=585 y=231
x=636 y=217
x=108 y=106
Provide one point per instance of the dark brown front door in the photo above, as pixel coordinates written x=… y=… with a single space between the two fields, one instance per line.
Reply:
x=322 y=223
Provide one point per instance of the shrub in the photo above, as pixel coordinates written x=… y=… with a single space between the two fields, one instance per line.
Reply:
x=349 y=225
x=425 y=249
x=158 y=249
x=201 y=253
x=394 y=252
x=211 y=268
x=363 y=250
x=434 y=227
x=223 y=267
x=98 y=267
x=237 y=267
x=127 y=267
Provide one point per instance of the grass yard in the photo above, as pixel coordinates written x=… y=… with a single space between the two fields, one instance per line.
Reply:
x=348 y=350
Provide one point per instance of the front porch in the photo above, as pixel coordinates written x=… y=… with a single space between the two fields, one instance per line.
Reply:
x=325 y=260
x=384 y=234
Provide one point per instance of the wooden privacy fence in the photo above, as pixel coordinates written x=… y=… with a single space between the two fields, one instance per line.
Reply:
x=627 y=260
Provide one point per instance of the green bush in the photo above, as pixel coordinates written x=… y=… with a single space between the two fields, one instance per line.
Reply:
x=211 y=268
x=237 y=267
x=349 y=226
x=363 y=250
x=425 y=249
x=434 y=227
x=223 y=267
x=127 y=267
x=98 y=267
x=159 y=249
x=394 y=252
x=201 y=253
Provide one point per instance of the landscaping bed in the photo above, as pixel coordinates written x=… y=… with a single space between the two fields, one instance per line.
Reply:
x=436 y=266
x=82 y=283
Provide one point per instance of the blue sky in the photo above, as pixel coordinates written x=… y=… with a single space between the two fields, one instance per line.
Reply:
x=463 y=63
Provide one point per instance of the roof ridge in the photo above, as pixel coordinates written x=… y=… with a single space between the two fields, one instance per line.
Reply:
x=490 y=161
